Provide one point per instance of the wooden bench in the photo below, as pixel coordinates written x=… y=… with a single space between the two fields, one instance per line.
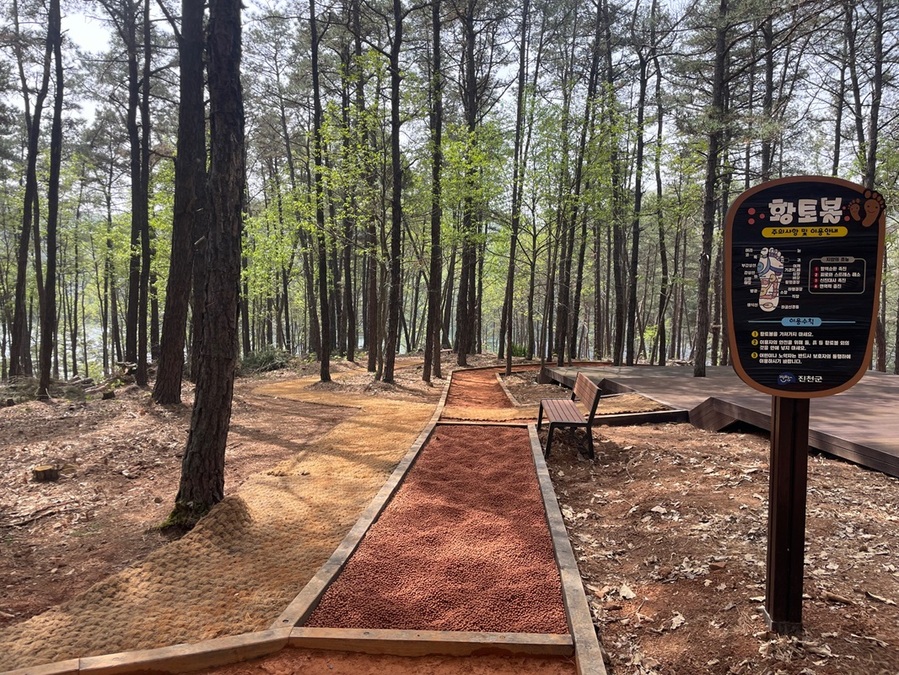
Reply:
x=566 y=413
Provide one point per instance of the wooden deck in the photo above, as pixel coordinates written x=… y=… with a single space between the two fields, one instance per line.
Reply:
x=860 y=425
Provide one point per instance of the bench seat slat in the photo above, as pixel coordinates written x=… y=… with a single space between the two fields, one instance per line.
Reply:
x=566 y=413
x=560 y=410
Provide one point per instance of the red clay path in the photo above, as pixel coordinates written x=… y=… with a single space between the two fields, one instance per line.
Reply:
x=463 y=546
x=477 y=389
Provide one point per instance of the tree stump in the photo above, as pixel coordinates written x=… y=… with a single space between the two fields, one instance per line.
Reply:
x=45 y=473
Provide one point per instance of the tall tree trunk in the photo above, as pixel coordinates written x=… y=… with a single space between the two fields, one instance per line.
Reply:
x=432 y=329
x=48 y=314
x=579 y=212
x=617 y=257
x=129 y=35
x=711 y=180
x=768 y=97
x=870 y=177
x=638 y=206
x=840 y=102
x=203 y=466
x=517 y=185
x=19 y=351
x=201 y=233
x=466 y=311
x=143 y=208
x=448 y=300
x=324 y=354
x=665 y=285
x=190 y=179
x=532 y=288
x=564 y=226
x=396 y=200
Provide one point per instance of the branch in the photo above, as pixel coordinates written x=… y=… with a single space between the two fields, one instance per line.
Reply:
x=171 y=20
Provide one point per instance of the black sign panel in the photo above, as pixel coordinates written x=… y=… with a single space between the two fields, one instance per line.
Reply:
x=803 y=267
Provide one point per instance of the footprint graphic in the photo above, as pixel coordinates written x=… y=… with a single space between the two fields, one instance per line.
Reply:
x=855 y=209
x=769 y=269
x=874 y=207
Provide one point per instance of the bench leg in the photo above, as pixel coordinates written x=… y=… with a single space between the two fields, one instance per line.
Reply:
x=549 y=439
x=540 y=416
x=590 y=452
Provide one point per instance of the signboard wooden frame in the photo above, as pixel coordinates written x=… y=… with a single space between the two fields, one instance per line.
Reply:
x=803 y=266
x=803 y=270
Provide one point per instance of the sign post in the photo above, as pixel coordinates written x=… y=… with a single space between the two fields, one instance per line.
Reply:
x=803 y=264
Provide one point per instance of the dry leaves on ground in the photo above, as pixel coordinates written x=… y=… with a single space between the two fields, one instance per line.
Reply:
x=670 y=528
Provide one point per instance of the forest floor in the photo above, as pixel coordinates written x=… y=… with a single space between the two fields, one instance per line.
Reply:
x=669 y=523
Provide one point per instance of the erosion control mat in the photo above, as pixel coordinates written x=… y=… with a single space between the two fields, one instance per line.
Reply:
x=244 y=562
x=463 y=545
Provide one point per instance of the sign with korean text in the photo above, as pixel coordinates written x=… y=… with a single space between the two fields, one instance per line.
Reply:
x=803 y=260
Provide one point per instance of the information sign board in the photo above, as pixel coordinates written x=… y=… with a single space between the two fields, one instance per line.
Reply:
x=802 y=275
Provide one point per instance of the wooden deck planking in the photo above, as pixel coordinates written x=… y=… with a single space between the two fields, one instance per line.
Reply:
x=860 y=425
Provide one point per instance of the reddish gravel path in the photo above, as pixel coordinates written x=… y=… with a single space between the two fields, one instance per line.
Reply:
x=477 y=389
x=463 y=546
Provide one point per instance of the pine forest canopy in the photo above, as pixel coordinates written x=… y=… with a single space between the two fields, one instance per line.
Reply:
x=543 y=179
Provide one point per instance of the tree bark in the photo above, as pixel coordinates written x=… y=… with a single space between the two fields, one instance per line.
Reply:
x=665 y=285
x=711 y=180
x=19 y=356
x=202 y=469
x=517 y=185
x=396 y=199
x=432 y=329
x=638 y=206
x=324 y=353
x=189 y=206
x=48 y=314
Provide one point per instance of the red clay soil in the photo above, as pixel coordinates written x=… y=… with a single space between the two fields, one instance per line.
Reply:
x=477 y=389
x=463 y=545
x=315 y=662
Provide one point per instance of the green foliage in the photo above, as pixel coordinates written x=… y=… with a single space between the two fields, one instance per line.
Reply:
x=519 y=350
x=265 y=360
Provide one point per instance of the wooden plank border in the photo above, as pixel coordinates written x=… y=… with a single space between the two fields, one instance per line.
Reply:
x=587 y=652
x=174 y=659
x=422 y=642
x=307 y=599
x=509 y=395
x=484 y=423
x=186 y=657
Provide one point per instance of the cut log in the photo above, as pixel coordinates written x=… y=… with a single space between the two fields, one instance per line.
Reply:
x=45 y=473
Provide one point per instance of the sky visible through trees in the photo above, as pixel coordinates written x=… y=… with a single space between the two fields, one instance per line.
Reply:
x=599 y=143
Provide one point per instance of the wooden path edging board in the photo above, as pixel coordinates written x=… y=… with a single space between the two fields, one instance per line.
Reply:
x=512 y=399
x=587 y=652
x=307 y=600
x=485 y=423
x=174 y=659
x=423 y=642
